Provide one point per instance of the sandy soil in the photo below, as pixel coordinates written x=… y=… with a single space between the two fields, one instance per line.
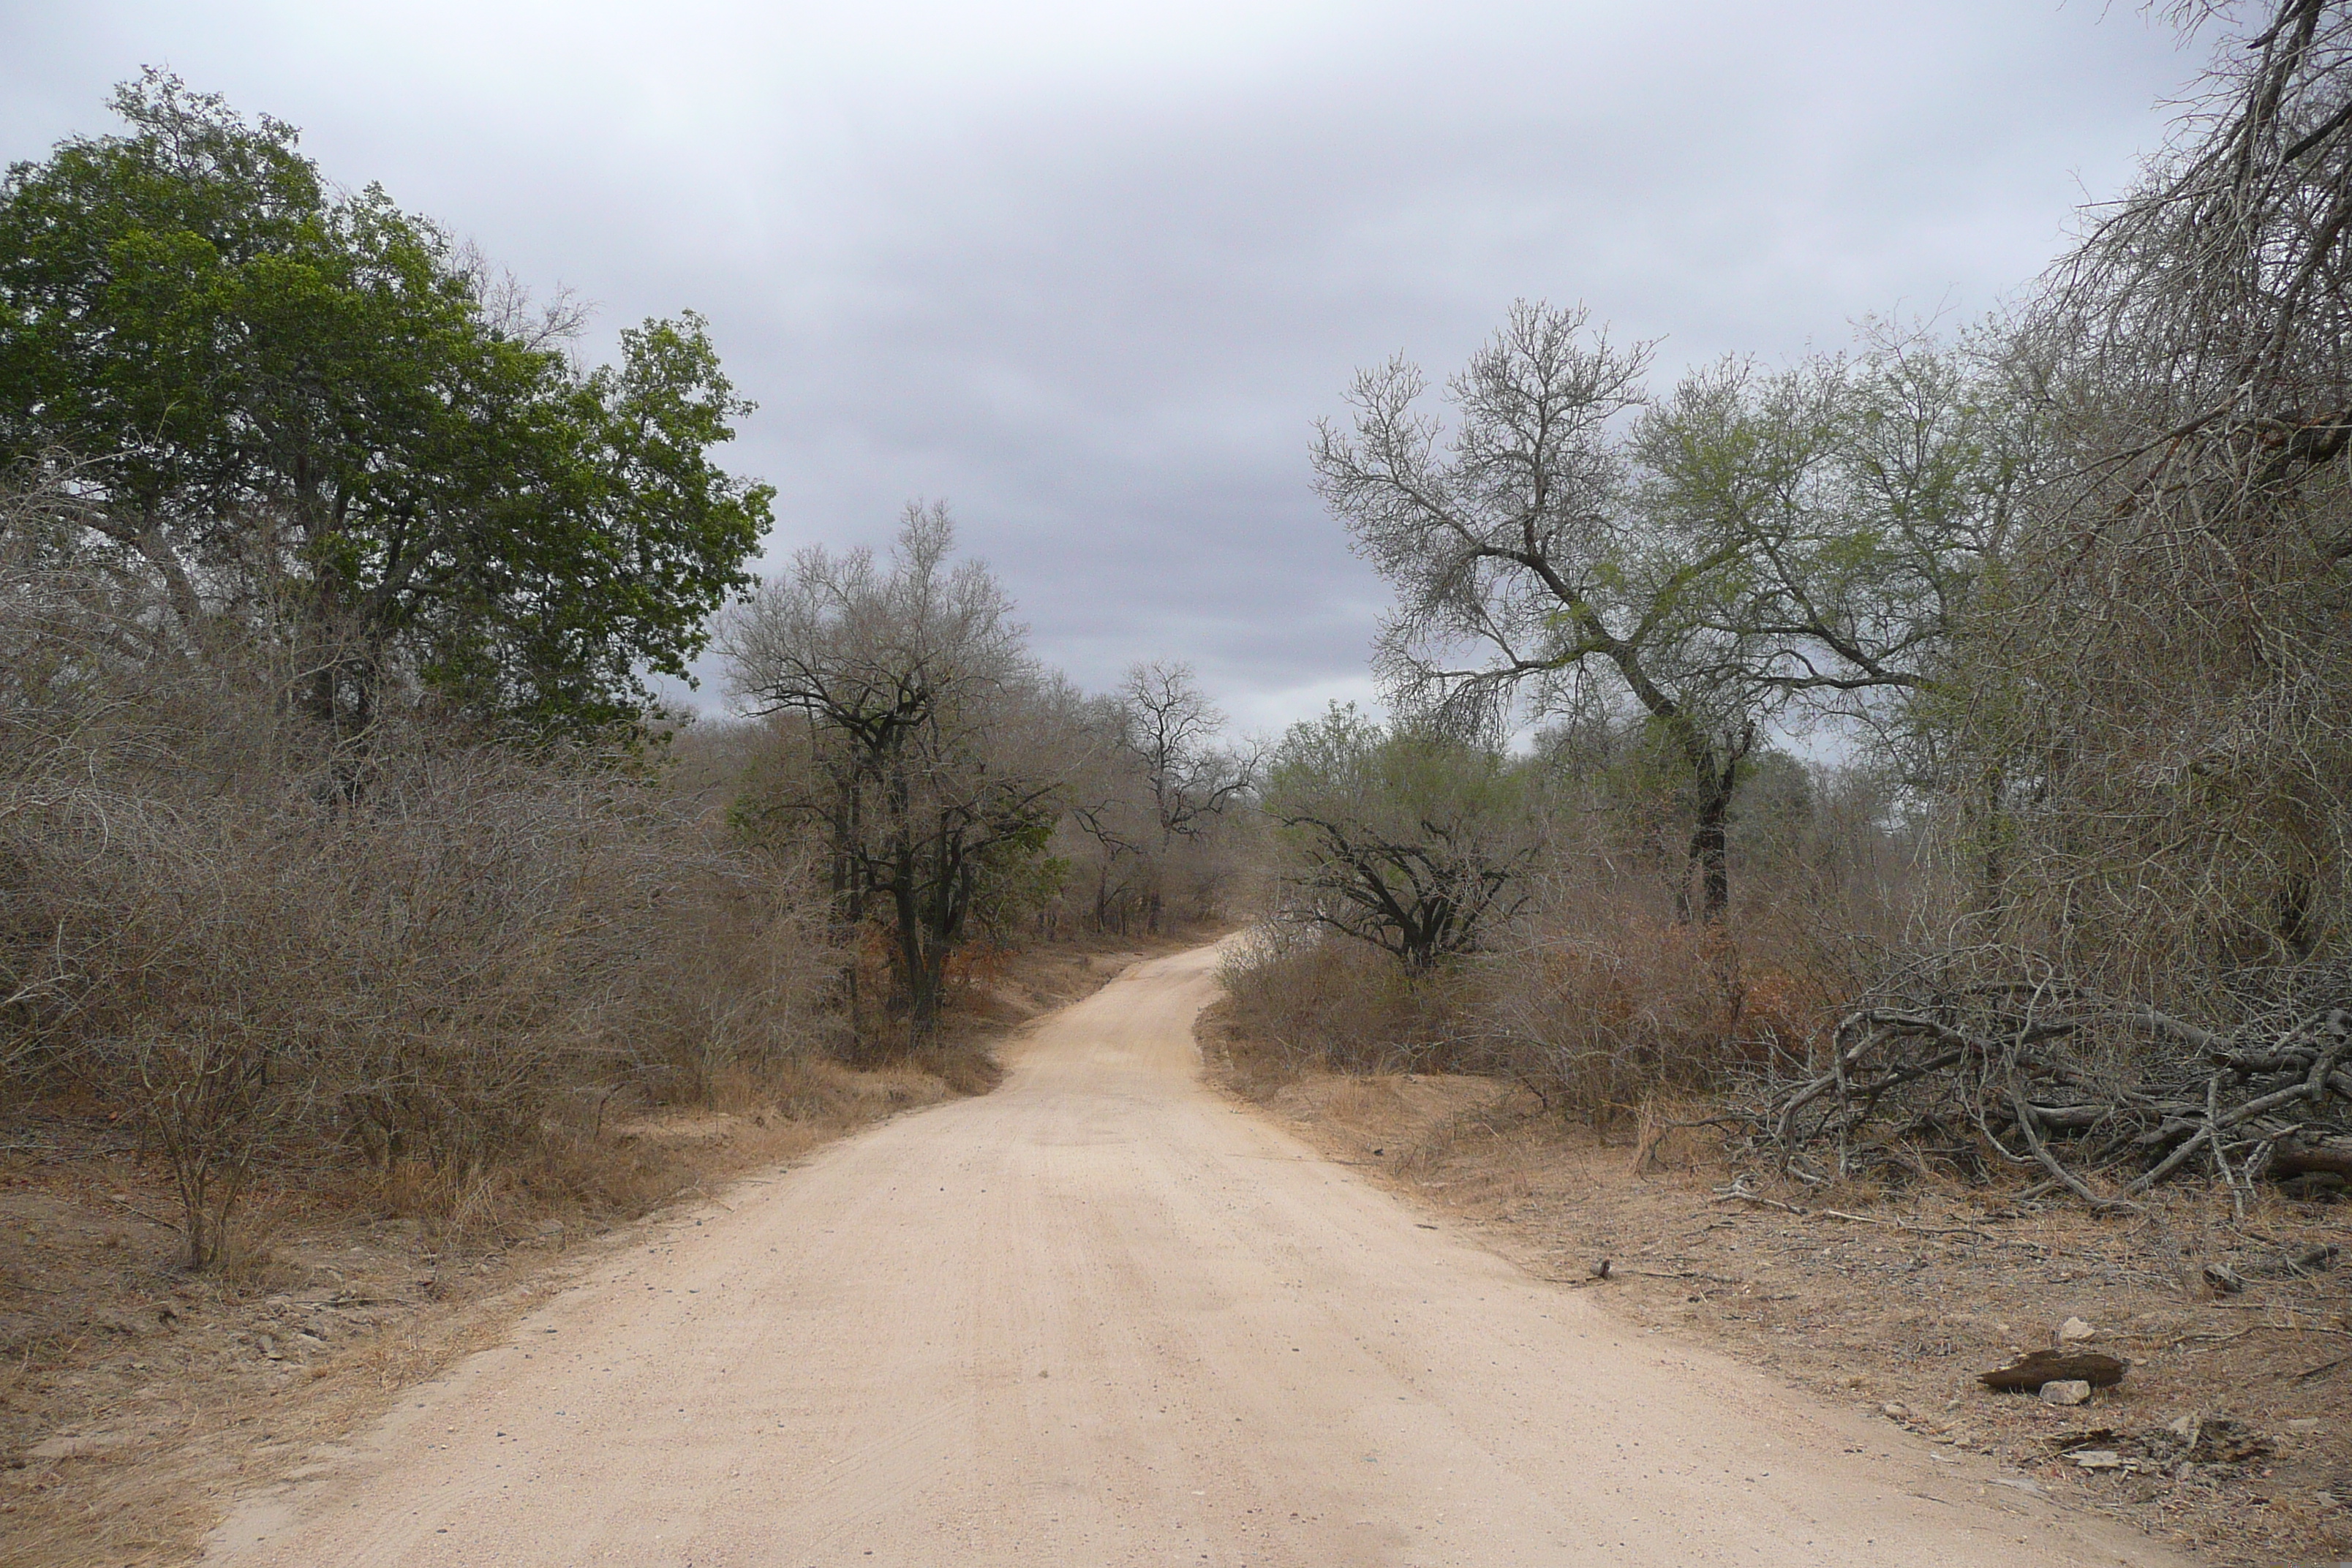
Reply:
x=1103 y=1316
x=136 y=1399
x=1891 y=1301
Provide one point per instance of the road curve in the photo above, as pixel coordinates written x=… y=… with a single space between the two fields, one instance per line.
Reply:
x=1102 y=1317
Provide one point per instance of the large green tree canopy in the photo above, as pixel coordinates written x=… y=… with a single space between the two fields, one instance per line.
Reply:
x=272 y=396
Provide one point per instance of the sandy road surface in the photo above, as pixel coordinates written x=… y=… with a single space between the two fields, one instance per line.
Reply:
x=1102 y=1317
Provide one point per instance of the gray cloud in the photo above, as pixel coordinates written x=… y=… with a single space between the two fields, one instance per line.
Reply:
x=1092 y=272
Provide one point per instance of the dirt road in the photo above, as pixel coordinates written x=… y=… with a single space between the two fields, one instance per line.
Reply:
x=1099 y=1316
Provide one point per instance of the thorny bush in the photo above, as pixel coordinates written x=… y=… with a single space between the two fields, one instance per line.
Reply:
x=273 y=949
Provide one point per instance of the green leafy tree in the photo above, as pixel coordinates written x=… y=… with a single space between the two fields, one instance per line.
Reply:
x=1525 y=571
x=1854 y=503
x=1861 y=504
x=311 y=416
x=1757 y=547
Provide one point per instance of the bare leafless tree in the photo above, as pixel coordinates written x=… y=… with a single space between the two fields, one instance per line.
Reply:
x=1412 y=840
x=1171 y=731
x=935 y=745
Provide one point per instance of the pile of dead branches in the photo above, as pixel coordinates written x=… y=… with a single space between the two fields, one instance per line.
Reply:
x=1954 y=1062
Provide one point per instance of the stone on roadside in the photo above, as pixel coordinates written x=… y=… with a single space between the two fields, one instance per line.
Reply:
x=2224 y=1279
x=2066 y=1391
x=2073 y=1330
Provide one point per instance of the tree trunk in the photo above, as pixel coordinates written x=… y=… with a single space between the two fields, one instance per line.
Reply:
x=1710 y=855
x=1715 y=774
x=917 y=963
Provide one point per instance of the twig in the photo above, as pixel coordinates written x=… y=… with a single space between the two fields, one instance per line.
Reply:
x=1616 y=1272
x=1747 y=1197
x=143 y=1214
x=2258 y=1328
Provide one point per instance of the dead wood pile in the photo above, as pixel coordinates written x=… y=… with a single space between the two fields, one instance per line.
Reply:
x=2039 y=1073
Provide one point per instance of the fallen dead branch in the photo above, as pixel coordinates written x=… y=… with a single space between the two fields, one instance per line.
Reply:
x=1738 y=1193
x=1614 y=1272
x=2044 y=1075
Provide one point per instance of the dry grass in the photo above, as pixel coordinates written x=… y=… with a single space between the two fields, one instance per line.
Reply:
x=1339 y=1005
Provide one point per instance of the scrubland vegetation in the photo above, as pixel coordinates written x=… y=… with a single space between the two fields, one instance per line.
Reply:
x=343 y=847
x=1938 y=748
x=1932 y=756
x=1920 y=763
x=1573 y=970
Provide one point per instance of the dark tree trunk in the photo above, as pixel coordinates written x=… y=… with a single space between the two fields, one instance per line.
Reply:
x=1714 y=777
x=1710 y=853
x=919 y=961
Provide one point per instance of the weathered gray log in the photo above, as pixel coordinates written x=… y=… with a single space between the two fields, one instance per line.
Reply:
x=2031 y=1370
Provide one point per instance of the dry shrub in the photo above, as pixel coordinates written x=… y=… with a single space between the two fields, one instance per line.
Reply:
x=1590 y=1027
x=2147 y=717
x=1593 y=1025
x=1597 y=1001
x=1602 y=1001
x=286 y=950
x=437 y=971
x=1601 y=996
x=1302 y=1002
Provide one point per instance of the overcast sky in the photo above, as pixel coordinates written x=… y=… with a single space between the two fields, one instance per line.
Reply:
x=1091 y=271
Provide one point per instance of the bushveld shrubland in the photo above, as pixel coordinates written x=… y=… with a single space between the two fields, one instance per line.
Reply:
x=2066 y=598
x=270 y=947
x=1592 y=986
x=343 y=843
x=335 y=820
